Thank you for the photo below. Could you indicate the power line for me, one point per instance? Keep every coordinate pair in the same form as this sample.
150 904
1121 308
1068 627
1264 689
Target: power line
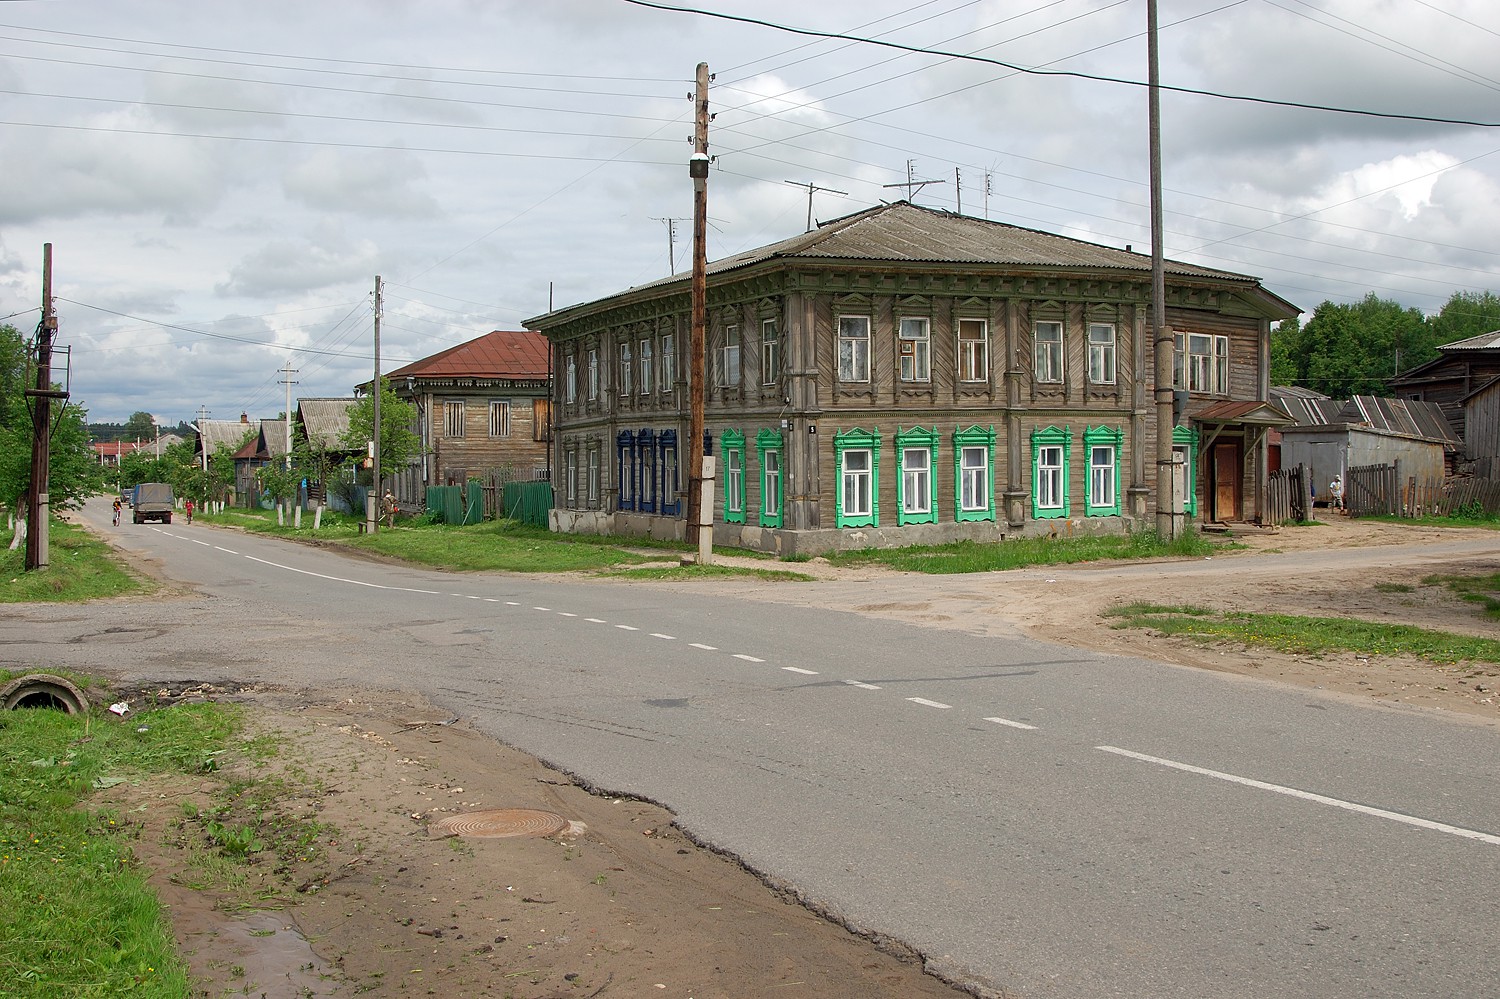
1362 112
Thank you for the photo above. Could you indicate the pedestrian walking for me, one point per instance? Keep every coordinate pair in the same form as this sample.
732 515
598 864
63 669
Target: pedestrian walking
188 506
117 511
389 506
1336 487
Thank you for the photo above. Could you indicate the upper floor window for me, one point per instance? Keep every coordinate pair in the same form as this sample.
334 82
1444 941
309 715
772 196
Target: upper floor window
854 348
770 352
499 419
973 344
1207 364
647 367
1047 339
570 380
625 370
1102 353
453 418
729 358
593 374
915 349
668 361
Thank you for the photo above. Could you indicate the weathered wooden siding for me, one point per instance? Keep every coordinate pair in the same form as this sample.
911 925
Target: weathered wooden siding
1482 425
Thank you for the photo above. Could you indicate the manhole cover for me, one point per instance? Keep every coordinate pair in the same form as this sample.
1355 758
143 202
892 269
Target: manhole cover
495 823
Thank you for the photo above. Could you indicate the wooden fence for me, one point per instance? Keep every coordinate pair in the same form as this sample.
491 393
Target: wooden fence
1289 496
1374 490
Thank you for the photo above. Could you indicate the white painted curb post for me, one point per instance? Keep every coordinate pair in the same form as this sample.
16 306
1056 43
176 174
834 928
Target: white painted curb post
706 513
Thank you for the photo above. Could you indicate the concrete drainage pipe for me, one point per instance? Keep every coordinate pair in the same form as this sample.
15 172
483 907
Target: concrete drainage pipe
43 690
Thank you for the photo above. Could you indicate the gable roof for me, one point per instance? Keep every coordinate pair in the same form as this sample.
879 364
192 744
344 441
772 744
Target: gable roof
1484 341
1401 416
212 433
907 233
324 421
516 355
1306 407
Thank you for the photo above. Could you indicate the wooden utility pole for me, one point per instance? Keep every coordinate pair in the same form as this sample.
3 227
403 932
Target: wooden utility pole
811 189
374 522
1168 508
698 170
38 507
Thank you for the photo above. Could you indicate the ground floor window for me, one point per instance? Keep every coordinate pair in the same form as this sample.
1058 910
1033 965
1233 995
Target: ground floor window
1185 443
570 477
1049 472
671 501
1102 492
733 444
593 475
769 444
625 469
917 488
974 459
645 448
856 501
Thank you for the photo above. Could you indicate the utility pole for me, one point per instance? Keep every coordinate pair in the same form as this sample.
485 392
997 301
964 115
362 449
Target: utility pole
987 176
203 415
38 510
671 224
698 170
287 372
371 510
958 189
811 189
1168 507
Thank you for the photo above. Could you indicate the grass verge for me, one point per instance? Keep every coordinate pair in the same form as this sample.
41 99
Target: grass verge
710 572
973 556
78 918
1307 635
1482 590
80 567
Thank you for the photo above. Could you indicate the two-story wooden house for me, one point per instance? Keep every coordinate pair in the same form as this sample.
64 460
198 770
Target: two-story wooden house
904 375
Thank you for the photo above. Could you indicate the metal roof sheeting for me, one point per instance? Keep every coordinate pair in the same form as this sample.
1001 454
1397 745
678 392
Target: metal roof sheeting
1401 416
515 355
1484 341
325 421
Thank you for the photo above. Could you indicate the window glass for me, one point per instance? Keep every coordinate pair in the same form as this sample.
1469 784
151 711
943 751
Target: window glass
914 348
734 480
1101 476
857 468
729 358
453 419
854 349
916 480
1102 353
974 464
668 361
1049 467
1048 340
770 352
770 491
973 363
625 370
499 419
647 367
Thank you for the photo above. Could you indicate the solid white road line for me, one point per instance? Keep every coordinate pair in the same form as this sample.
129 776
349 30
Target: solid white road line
861 686
930 704
342 579
1012 724
798 669
705 648
1321 799
748 659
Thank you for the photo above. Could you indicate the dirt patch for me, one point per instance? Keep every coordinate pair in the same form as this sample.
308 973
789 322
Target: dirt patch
377 902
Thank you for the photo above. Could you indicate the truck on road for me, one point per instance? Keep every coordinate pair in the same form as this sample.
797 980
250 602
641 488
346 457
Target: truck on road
152 501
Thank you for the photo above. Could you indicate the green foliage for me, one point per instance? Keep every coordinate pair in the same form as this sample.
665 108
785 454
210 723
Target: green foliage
1482 590
399 443
1466 314
140 427
1346 350
278 480
1309 635
73 473
80 568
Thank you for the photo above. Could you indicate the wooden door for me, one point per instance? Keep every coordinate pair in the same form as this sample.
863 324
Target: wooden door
1228 475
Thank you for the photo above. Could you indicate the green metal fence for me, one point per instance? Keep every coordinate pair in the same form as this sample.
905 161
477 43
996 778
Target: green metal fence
528 502
457 504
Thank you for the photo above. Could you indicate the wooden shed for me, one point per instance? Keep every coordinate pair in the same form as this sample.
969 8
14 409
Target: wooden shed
1482 418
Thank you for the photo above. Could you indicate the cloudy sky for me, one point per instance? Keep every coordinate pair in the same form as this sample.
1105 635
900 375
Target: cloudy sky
222 182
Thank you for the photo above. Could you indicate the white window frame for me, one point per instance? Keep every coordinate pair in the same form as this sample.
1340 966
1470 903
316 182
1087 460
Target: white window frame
914 349
453 418
1179 360
1102 353
770 483
593 374
1200 363
734 480
1102 476
916 482
856 483
668 361
973 352
646 362
854 348
974 487
1221 365
626 371
570 477
770 352
499 418
570 380
1049 477
593 475
1048 351
729 358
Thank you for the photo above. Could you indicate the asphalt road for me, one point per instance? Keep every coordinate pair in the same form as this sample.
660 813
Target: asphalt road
1040 820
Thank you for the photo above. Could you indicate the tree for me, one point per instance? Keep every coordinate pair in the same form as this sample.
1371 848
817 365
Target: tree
1465 314
140 427
1347 350
399 443
73 474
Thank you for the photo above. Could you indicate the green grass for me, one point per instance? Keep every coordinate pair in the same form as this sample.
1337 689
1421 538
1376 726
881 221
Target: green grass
1462 518
500 546
77 917
973 556
1482 590
1308 635
80 567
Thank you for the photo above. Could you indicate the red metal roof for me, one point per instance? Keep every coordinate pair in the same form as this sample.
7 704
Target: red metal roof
513 354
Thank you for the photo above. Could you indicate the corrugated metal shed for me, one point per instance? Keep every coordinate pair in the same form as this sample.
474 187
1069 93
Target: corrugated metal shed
325 421
506 355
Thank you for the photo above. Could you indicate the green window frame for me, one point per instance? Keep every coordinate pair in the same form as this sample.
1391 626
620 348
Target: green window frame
1187 440
1051 449
910 479
851 448
732 442
771 450
969 478
1108 504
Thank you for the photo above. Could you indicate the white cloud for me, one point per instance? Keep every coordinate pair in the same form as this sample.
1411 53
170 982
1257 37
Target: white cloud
369 183
292 266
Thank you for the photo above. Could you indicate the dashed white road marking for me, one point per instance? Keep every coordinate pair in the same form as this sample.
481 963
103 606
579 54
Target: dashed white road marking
799 669
229 551
669 638
542 608
512 603
471 596
748 659
627 627
566 614
492 600
861 685
1012 724
705 648
930 704
205 544
1321 799
596 620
